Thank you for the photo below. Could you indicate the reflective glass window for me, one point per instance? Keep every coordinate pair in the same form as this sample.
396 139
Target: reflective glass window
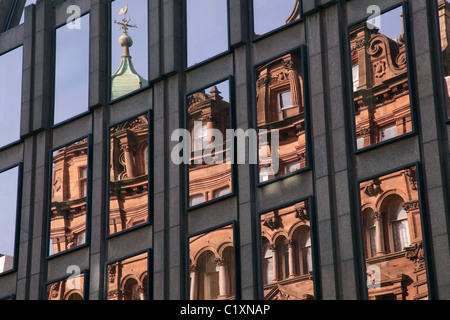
71 96
129 47
69 193
287 268
129 179
393 237
206 29
10 95
210 170
269 15
282 145
71 288
128 278
444 25
211 265
9 192
382 106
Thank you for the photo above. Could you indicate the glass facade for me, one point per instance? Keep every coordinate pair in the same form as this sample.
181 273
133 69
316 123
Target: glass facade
9 210
206 29
280 108
10 96
381 87
393 237
270 15
129 47
212 265
127 279
71 92
69 197
307 98
129 178
71 288
287 265
208 119
444 28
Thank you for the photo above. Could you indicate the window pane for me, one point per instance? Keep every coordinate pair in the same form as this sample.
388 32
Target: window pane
269 15
211 265
280 111
67 289
208 121
381 90
129 47
444 24
72 70
128 279
207 29
68 197
286 235
10 95
9 181
128 186
396 261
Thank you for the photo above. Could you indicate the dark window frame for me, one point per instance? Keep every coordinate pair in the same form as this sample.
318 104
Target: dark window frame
150 135
272 32
20 140
84 272
52 111
232 113
149 253
88 199
307 109
110 41
314 245
358 232
185 42
236 262
18 219
412 82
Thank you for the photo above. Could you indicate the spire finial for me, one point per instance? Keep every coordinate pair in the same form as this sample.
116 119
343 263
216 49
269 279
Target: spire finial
125 24
125 41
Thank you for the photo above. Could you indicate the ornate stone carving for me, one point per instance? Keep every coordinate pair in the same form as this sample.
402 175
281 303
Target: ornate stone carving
273 221
373 188
379 69
411 175
112 274
302 213
415 253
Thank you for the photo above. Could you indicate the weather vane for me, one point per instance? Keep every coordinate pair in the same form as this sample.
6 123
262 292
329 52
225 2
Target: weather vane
125 24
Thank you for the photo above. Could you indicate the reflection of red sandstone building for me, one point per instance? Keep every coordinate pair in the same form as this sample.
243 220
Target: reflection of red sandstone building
393 237
280 106
286 254
444 22
380 85
208 111
68 199
128 202
127 279
68 289
211 265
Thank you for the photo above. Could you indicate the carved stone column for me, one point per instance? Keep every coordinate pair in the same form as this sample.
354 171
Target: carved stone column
273 247
193 289
140 290
296 89
379 232
129 160
223 278
291 250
